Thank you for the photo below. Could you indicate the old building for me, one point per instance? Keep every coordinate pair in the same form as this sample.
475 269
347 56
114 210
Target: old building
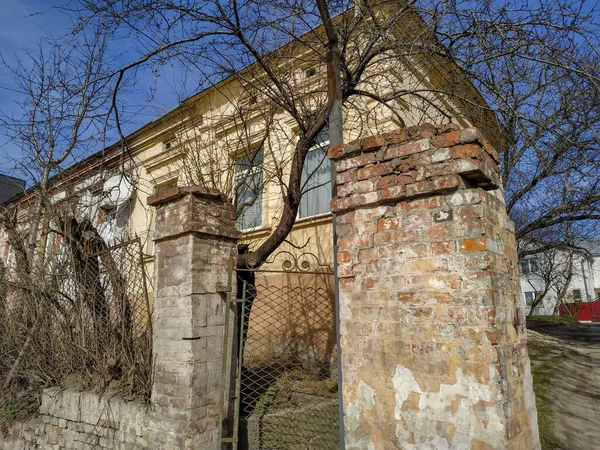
455 350
561 276
202 142
10 187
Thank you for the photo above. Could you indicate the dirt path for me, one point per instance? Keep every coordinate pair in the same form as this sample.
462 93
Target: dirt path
566 372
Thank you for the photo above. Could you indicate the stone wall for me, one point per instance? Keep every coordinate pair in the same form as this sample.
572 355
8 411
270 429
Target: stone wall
84 420
196 241
432 324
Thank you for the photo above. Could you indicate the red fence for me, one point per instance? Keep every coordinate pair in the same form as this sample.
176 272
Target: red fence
582 311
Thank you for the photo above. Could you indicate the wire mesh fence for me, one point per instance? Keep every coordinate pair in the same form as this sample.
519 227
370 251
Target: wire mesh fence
288 379
79 317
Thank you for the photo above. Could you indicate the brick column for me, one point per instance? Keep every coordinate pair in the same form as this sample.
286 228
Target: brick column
195 239
431 318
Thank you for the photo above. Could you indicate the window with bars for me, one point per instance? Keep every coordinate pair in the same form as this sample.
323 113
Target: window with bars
247 188
316 179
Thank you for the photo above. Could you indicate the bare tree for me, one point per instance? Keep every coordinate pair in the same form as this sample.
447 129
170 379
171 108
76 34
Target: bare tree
533 67
64 112
549 274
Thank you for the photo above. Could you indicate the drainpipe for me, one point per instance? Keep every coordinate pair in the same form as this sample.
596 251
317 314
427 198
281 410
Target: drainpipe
336 137
585 281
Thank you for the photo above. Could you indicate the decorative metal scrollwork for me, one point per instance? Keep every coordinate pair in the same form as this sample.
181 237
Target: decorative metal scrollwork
286 261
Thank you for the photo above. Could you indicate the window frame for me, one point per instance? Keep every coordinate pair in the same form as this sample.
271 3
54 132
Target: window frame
533 298
324 145
532 265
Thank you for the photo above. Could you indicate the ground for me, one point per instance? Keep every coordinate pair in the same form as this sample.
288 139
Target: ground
565 358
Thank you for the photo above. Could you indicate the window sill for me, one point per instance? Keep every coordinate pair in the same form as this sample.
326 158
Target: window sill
252 229
314 220
256 231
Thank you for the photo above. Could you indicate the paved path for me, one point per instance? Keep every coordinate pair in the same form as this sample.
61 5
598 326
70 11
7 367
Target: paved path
582 333
574 350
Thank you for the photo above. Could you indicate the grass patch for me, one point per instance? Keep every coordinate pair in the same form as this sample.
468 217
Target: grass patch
298 411
555 320
545 361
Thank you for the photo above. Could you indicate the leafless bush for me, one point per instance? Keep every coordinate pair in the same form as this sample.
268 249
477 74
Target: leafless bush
79 316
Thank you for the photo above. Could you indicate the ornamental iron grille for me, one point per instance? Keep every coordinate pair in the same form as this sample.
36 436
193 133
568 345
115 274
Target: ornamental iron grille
286 389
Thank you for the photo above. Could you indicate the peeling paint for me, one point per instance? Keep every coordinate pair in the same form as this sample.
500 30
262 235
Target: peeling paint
364 401
433 339
442 406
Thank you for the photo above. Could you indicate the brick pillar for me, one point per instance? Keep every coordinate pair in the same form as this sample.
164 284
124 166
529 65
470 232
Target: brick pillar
431 318
195 239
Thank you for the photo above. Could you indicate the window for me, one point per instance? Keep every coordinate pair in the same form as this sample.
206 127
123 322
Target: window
577 295
248 187
597 293
529 266
311 72
529 298
316 179
56 248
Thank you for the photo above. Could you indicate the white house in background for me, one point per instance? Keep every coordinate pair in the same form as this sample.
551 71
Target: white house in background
546 274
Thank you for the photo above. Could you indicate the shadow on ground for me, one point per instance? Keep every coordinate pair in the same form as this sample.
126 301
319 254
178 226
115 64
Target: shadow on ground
565 360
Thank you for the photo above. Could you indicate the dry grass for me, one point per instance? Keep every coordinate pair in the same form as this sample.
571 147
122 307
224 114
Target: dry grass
81 319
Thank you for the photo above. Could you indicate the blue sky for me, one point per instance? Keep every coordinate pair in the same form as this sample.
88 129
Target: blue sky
21 27
23 23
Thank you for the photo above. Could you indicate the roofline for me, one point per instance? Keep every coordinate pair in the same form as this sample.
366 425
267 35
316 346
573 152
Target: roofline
183 104
12 178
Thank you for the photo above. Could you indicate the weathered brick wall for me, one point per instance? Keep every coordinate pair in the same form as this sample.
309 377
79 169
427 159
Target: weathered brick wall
432 325
195 243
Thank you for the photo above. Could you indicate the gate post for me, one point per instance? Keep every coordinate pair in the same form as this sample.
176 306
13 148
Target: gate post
195 240
432 322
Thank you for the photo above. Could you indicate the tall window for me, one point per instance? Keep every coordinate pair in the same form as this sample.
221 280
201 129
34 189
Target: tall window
316 179
576 295
248 187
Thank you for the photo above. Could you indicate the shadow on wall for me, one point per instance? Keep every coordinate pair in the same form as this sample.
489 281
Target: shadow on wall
293 321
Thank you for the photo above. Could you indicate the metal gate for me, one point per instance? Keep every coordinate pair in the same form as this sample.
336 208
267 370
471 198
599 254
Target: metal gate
286 365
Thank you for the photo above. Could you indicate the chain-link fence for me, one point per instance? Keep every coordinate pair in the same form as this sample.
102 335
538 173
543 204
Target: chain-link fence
79 316
288 396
